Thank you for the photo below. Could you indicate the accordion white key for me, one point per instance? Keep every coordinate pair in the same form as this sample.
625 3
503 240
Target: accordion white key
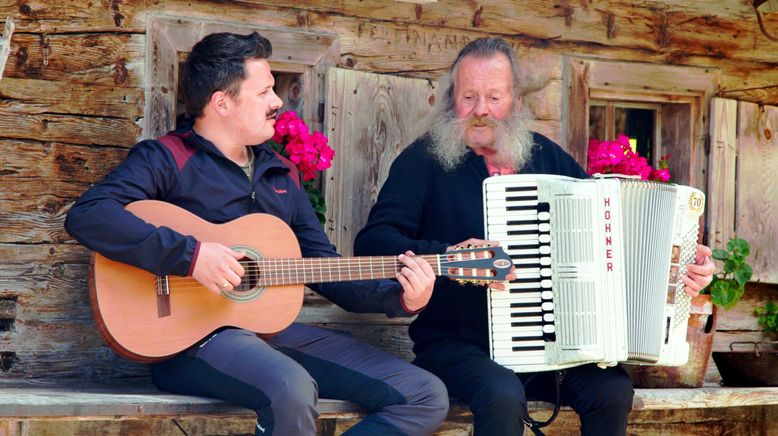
598 265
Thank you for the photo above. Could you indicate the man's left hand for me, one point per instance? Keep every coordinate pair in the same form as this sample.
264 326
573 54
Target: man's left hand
700 273
417 280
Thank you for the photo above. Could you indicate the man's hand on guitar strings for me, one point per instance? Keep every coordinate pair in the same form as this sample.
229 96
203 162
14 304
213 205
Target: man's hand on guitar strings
417 280
700 273
217 267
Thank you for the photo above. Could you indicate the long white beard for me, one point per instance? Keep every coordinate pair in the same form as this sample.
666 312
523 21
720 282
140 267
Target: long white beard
512 144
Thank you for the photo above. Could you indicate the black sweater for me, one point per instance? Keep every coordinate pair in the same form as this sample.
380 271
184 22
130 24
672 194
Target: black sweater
425 209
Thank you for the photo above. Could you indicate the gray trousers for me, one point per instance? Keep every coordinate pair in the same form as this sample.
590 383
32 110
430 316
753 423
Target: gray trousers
282 378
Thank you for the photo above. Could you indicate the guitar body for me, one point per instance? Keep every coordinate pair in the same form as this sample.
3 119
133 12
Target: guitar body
126 303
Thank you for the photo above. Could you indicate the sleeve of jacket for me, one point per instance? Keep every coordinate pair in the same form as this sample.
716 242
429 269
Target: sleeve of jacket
362 296
99 221
393 224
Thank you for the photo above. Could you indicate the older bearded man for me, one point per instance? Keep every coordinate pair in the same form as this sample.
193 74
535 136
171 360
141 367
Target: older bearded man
433 198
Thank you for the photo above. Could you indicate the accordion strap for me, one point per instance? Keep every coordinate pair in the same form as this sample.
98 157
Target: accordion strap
535 426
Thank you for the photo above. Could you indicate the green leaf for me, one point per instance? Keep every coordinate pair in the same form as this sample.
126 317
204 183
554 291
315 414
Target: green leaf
771 307
724 294
720 254
739 246
743 274
730 265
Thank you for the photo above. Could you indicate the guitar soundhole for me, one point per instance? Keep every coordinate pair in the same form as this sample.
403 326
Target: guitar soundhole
251 278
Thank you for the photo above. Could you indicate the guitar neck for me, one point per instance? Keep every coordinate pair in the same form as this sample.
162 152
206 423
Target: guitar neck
281 272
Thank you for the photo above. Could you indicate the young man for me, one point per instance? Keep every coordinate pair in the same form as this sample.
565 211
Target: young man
218 173
432 199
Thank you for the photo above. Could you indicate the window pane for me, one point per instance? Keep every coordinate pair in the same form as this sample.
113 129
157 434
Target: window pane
597 122
638 125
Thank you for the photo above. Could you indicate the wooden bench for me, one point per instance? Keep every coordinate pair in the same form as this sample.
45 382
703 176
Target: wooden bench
31 408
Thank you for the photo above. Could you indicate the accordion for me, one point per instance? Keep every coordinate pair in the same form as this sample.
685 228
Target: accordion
598 267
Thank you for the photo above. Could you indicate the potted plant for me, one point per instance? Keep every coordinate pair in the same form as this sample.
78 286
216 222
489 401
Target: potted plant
750 363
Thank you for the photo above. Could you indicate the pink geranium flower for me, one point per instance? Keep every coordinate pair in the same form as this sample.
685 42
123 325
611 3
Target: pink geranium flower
310 152
617 157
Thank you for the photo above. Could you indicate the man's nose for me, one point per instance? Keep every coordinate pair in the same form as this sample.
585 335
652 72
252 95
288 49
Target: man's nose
278 102
481 108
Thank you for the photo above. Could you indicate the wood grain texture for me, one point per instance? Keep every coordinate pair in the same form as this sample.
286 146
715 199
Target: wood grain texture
370 119
756 217
720 205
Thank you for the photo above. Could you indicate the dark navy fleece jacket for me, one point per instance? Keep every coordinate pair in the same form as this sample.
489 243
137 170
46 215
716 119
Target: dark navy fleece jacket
194 175
425 209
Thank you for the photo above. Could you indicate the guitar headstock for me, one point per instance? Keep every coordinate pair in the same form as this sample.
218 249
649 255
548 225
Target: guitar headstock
476 265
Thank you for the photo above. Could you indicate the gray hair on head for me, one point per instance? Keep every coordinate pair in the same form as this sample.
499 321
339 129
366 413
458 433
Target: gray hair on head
481 48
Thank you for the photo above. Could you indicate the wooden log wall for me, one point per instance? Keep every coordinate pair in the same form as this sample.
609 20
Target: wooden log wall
72 99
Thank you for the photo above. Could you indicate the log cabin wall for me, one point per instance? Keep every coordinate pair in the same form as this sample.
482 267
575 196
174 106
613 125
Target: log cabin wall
73 95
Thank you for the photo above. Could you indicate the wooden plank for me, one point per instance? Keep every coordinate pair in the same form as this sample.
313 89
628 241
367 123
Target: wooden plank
757 195
30 96
741 317
71 129
102 59
87 402
421 48
720 207
677 140
647 26
370 119
575 105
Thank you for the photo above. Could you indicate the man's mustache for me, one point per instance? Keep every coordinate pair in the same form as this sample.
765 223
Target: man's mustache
481 121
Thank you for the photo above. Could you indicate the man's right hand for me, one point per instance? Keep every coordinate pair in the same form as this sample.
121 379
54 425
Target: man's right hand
217 267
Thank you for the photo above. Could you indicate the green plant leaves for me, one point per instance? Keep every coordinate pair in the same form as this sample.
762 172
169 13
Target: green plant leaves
743 274
739 247
720 254
728 286
768 316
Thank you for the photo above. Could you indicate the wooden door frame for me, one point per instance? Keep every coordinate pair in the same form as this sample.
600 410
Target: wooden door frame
588 79
294 51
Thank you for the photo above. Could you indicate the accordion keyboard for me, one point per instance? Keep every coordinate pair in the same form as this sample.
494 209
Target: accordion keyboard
522 316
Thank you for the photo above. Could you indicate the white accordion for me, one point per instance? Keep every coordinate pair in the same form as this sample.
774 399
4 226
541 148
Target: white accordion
598 266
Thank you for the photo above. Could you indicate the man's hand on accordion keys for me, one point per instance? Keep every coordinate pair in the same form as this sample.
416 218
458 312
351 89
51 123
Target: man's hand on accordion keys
700 273
474 242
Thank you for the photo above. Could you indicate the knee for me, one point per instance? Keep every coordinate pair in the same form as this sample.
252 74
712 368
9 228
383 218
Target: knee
612 393
504 400
295 392
432 398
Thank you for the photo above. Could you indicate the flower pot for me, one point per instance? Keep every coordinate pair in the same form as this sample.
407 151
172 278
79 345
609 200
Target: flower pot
753 366
703 318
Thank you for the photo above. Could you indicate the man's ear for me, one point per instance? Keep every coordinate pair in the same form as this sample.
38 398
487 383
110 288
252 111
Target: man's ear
219 102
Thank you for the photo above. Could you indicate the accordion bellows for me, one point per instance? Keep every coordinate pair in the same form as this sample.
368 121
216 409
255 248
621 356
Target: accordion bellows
598 265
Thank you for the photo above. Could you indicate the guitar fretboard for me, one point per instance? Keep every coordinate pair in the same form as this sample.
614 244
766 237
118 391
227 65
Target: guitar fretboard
281 272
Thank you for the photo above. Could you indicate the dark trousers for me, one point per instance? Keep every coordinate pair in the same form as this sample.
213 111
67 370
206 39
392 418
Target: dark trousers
498 397
282 378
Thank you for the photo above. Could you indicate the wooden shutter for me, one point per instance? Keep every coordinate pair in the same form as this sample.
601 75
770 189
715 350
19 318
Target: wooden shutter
743 189
575 108
369 119
756 189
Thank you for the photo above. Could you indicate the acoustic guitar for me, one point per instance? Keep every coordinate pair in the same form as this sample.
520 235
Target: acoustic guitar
147 318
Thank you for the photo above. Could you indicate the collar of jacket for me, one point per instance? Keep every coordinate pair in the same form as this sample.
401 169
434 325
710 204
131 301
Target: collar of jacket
264 157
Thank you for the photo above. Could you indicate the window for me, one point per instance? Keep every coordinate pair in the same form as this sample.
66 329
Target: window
663 108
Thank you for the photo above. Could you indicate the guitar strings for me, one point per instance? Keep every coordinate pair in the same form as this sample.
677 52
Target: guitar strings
339 266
